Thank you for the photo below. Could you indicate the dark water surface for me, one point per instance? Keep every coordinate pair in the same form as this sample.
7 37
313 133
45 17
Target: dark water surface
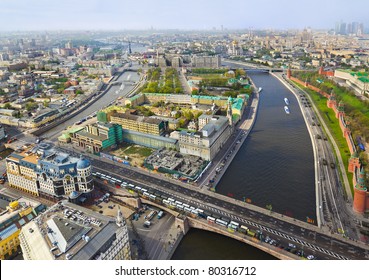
274 166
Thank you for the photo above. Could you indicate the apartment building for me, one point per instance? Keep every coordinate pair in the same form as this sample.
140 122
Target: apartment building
139 123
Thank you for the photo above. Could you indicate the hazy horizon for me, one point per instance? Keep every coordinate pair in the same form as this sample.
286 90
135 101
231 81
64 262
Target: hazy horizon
43 15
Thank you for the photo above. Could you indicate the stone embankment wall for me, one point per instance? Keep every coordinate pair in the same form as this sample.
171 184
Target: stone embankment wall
361 196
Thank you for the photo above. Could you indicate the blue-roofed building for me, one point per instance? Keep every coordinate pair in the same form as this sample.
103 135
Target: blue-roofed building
44 170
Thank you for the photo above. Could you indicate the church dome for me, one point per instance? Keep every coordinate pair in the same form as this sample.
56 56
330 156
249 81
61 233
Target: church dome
74 195
83 163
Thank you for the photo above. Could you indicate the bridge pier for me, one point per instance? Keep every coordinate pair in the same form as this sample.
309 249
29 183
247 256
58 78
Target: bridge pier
182 223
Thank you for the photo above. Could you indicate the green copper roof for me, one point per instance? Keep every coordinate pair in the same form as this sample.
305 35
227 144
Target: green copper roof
237 103
364 79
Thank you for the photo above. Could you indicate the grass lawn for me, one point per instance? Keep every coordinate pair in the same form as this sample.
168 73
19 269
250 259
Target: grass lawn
212 76
142 151
332 123
136 154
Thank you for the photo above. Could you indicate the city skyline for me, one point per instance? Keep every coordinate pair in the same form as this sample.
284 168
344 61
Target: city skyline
38 15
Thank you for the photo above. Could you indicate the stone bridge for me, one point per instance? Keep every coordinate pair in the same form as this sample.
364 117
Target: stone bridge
186 222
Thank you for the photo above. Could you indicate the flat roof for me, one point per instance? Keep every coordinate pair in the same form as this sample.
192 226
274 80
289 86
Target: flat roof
151 136
93 136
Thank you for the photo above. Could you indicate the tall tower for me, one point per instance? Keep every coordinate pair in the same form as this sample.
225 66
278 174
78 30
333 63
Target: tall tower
229 111
331 102
340 110
360 193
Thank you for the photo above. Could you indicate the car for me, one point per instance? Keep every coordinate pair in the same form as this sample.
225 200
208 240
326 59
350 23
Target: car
299 253
291 245
273 242
310 257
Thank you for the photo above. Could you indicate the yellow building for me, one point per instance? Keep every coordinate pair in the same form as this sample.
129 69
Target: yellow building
139 123
17 214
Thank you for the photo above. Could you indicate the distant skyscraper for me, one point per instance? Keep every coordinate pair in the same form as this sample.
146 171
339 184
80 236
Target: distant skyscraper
360 30
69 45
355 28
349 28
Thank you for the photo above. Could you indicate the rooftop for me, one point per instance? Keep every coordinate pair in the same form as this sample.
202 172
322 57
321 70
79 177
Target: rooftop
74 230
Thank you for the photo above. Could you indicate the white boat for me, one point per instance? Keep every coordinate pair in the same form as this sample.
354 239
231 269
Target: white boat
287 110
286 101
260 89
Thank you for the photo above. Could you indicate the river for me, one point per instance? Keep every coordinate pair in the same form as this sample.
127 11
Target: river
275 166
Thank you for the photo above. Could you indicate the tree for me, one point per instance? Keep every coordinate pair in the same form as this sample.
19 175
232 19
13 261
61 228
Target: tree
188 115
269 207
178 114
197 115
181 122
30 106
7 106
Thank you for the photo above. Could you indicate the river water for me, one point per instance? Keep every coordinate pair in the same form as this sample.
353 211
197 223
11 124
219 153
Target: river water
275 166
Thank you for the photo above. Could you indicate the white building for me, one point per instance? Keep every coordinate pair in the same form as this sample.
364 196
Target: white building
207 142
68 231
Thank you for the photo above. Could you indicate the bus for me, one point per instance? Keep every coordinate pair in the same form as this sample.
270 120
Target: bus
221 222
151 215
137 189
234 225
201 213
160 214
166 202
244 229
179 207
194 213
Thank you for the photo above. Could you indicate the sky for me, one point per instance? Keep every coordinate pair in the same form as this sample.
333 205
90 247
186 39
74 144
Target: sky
173 14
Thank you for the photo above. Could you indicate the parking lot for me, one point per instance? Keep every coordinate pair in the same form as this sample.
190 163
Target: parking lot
109 208
159 237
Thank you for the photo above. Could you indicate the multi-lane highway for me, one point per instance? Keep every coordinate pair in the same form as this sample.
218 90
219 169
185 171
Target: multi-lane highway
324 246
116 91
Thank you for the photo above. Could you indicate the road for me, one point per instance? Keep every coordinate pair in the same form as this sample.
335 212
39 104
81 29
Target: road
116 91
323 245
333 206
